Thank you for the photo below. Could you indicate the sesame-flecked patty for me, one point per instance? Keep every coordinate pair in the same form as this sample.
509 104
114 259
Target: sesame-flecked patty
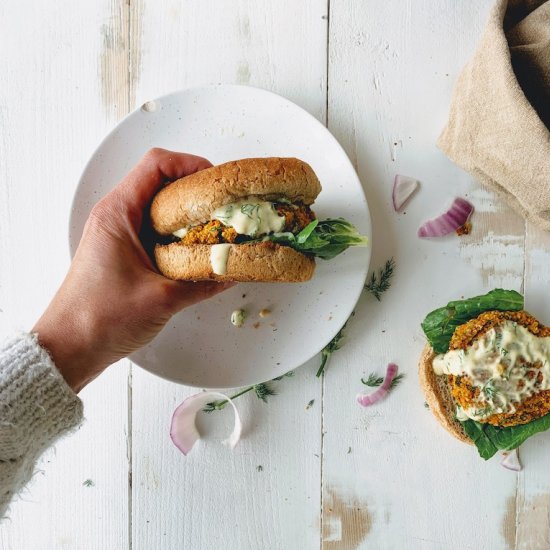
466 394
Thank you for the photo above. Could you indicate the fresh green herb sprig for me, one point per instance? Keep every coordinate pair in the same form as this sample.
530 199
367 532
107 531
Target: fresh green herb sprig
374 380
489 389
262 391
378 284
334 345
375 286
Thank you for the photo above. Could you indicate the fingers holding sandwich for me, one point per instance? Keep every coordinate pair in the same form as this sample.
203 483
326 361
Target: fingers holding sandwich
156 168
113 300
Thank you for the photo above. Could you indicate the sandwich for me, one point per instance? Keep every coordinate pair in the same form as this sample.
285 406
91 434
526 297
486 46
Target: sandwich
246 220
485 371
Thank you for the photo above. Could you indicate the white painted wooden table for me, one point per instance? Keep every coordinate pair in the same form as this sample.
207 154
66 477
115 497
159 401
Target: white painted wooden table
380 74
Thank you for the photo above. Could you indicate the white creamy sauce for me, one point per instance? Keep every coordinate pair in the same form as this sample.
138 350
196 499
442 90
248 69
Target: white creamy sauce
180 233
461 415
498 363
250 217
219 253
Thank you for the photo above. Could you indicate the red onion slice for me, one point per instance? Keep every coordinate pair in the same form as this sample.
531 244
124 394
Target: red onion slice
403 189
366 400
511 461
183 430
448 222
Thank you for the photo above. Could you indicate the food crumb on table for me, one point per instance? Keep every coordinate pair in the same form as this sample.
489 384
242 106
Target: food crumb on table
237 317
464 229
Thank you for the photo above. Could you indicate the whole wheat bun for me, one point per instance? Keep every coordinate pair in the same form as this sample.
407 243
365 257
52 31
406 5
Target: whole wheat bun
438 396
264 262
193 198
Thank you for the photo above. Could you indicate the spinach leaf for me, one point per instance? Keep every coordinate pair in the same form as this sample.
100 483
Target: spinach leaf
303 236
485 447
490 439
439 325
323 239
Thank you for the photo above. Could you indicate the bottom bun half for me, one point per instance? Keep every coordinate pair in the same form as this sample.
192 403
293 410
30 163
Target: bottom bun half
258 262
438 396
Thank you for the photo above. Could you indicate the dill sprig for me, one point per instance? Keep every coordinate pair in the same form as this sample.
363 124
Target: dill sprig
489 389
262 391
334 345
379 284
374 380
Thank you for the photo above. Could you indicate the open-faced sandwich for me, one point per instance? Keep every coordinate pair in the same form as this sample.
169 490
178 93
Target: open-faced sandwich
246 220
485 372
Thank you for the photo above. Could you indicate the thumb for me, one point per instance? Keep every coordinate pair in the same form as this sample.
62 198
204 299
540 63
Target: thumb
157 167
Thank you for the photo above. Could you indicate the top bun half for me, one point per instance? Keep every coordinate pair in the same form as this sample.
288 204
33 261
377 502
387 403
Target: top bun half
192 199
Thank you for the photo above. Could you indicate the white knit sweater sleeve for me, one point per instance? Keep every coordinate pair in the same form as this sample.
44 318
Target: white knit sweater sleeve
36 407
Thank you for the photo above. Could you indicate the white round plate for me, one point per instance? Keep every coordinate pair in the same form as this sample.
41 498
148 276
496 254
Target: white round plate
199 346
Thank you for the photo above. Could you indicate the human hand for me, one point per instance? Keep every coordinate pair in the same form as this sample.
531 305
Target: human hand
113 300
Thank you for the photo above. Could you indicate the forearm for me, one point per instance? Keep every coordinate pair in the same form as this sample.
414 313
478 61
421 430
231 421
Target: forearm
36 407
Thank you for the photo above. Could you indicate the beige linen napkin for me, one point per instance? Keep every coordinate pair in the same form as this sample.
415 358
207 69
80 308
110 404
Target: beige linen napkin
498 127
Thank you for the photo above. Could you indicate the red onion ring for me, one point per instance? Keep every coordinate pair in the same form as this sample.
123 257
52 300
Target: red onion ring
365 400
403 189
183 430
450 221
511 461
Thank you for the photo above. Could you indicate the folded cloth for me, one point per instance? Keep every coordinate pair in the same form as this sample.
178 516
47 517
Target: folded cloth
498 127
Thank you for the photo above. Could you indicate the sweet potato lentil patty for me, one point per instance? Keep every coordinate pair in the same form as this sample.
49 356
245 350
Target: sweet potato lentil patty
466 395
214 232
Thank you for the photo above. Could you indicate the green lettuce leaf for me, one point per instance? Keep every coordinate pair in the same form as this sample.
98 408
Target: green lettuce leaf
439 325
322 239
490 439
474 430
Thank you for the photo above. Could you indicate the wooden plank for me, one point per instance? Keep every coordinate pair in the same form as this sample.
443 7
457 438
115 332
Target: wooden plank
496 244
213 496
533 502
392 478
263 494
52 118
278 46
